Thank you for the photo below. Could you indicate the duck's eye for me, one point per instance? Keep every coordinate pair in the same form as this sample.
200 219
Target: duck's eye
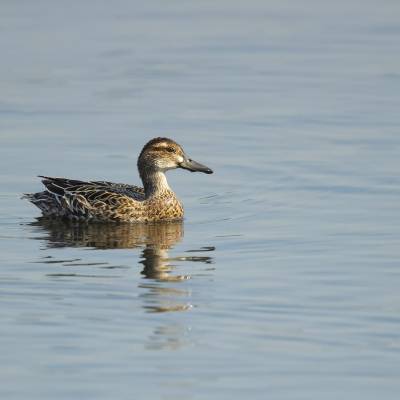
171 149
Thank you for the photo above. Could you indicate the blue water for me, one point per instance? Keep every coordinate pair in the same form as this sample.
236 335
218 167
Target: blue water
283 280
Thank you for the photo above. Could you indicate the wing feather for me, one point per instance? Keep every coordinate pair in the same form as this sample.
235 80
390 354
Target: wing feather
85 199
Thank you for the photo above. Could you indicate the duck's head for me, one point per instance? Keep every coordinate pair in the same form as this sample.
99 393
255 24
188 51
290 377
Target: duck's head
162 154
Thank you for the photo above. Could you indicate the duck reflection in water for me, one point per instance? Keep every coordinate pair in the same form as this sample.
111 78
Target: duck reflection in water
156 240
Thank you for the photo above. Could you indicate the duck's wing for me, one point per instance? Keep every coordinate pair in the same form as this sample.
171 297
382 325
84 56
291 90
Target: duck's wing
92 189
136 192
82 198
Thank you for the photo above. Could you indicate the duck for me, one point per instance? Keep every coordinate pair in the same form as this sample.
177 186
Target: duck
119 202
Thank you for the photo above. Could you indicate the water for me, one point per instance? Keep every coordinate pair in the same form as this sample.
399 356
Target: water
283 280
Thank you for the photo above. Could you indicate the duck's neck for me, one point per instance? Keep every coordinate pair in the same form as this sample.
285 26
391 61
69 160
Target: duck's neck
154 183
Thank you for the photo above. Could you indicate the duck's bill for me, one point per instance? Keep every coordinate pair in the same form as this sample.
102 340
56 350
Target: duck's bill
194 166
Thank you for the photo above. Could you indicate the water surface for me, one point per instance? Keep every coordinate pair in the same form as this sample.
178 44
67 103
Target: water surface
283 279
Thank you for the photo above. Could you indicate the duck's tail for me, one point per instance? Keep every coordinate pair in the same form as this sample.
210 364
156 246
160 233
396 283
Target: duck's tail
43 200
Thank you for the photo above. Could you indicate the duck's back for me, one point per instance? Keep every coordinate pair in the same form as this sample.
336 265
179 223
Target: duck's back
97 200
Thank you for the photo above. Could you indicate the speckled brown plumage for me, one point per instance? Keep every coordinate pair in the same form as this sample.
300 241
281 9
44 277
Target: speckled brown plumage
107 201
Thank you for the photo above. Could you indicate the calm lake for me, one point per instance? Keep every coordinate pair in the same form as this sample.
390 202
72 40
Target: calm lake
283 280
